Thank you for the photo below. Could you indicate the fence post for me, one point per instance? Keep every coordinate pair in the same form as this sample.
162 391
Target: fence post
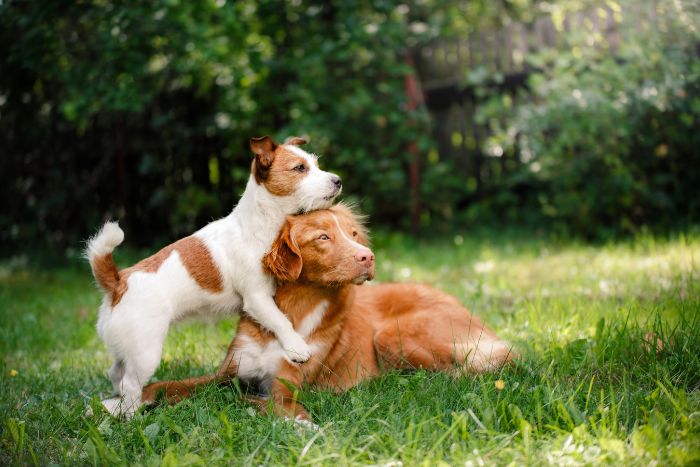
414 96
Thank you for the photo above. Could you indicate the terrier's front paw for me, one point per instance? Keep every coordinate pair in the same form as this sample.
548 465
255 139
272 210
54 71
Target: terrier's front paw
113 405
307 424
297 349
301 424
118 407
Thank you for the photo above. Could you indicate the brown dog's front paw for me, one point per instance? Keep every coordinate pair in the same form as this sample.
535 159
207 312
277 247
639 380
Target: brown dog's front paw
302 422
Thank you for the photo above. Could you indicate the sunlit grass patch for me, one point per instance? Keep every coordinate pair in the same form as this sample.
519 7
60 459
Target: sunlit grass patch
610 373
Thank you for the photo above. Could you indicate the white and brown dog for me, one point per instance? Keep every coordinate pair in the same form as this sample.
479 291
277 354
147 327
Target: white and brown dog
217 270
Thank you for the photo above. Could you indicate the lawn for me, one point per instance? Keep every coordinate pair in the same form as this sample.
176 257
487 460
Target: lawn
610 368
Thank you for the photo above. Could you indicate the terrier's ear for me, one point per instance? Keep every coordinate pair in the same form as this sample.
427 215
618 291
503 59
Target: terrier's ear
264 150
296 140
284 258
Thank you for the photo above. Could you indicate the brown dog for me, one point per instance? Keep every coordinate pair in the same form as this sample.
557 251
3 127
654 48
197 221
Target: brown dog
355 331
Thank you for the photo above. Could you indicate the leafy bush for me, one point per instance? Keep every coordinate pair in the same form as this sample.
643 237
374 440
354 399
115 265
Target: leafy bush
110 111
613 137
143 111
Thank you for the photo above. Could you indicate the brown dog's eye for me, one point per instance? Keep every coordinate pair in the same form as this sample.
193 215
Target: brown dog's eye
354 233
300 168
324 237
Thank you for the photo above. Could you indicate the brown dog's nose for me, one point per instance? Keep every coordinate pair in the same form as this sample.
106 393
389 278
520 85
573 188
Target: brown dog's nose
364 257
337 181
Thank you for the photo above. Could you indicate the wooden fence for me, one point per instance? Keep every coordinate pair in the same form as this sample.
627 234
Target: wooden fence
453 102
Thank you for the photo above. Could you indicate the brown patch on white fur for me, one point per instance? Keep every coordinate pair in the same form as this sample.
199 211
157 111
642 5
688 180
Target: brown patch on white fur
282 179
106 273
264 150
274 165
194 254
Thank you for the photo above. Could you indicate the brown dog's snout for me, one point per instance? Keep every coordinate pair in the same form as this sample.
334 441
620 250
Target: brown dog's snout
336 181
365 257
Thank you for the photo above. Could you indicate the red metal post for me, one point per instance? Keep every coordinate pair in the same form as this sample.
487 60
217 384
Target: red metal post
414 96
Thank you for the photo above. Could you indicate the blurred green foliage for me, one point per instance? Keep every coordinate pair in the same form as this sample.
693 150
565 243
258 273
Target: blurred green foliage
142 112
610 138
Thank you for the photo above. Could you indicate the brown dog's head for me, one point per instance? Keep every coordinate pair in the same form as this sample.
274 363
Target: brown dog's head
327 247
292 175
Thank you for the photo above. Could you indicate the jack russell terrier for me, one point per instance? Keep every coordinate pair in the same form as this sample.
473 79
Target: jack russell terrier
217 270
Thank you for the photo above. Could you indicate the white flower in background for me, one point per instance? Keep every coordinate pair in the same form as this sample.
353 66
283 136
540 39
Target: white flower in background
402 9
484 266
418 27
223 120
664 283
605 286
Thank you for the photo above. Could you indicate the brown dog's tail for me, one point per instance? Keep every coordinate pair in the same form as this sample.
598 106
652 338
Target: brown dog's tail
175 391
99 253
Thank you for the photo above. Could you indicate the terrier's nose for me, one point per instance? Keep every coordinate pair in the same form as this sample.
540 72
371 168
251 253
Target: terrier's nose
337 181
364 257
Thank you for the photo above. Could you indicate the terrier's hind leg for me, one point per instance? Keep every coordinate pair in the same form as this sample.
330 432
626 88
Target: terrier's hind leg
116 373
139 361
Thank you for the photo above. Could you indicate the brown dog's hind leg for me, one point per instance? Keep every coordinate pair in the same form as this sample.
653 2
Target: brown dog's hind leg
422 348
174 391
408 352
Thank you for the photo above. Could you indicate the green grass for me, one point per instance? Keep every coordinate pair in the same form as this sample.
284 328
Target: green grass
588 390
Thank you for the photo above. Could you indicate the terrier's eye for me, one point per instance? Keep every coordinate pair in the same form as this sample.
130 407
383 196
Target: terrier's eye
354 233
300 168
324 237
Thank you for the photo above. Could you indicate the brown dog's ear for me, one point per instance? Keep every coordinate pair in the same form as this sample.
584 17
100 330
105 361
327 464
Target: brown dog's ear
284 259
264 150
296 140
